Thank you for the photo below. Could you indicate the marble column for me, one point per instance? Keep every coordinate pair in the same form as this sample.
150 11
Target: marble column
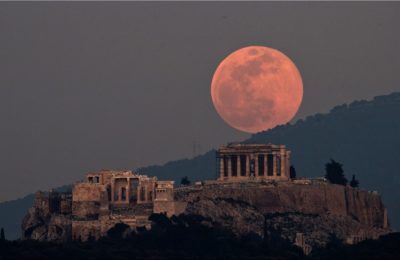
265 165
221 168
229 167
385 219
274 164
138 192
128 190
283 164
119 193
146 194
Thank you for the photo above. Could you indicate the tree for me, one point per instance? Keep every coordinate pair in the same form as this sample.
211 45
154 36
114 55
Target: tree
354 182
185 181
334 173
292 172
118 231
2 236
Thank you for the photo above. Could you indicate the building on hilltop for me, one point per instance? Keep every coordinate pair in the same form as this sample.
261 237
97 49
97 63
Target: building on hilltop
248 175
109 197
253 161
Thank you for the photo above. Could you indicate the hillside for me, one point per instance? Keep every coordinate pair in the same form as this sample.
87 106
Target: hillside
363 136
315 208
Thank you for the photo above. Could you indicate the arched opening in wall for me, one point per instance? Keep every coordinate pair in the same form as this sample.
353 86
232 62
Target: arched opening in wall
97 178
123 193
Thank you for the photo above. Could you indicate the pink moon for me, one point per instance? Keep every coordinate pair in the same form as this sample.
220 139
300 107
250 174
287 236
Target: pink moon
256 88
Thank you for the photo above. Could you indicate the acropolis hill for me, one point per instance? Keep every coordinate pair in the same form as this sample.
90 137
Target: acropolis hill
253 194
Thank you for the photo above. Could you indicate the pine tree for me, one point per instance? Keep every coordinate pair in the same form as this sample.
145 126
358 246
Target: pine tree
2 236
292 172
354 182
334 173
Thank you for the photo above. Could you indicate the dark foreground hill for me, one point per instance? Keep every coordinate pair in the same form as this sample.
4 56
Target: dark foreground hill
186 237
364 136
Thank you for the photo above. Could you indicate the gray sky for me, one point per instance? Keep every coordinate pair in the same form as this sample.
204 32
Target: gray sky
85 86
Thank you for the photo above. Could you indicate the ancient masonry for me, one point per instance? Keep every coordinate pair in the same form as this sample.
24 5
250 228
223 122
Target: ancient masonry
104 199
253 161
108 197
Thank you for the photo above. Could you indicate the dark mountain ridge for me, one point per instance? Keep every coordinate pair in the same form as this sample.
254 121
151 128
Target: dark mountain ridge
364 136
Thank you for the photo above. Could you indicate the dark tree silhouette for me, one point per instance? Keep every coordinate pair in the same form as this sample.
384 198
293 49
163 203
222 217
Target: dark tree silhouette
292 172
185 181
354 182
118 231
2 236
334 173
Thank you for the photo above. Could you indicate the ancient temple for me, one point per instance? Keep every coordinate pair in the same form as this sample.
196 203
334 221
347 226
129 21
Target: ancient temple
256 174
253 161
108 197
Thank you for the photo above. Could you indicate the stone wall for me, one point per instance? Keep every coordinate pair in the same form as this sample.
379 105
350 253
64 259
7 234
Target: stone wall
88 192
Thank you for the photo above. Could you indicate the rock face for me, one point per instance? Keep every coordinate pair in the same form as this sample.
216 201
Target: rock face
315 209
44 222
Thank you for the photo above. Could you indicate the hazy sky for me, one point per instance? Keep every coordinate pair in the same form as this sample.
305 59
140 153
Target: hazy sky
86 86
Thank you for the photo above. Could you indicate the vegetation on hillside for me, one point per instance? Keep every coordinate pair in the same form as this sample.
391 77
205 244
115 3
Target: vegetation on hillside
186 237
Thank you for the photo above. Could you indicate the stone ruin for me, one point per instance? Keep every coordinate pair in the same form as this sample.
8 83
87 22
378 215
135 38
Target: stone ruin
253 183
97 204
253 161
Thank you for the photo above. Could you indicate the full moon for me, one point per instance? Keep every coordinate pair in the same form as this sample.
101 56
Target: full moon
256 88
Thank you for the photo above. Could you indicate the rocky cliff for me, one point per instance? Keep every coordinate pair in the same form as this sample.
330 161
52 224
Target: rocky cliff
317 209
50 218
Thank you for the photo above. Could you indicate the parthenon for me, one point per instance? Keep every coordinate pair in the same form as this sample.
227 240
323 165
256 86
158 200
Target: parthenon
258 174
253 161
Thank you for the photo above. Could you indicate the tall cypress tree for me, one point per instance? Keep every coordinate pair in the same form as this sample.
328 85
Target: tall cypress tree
292 172
354 182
